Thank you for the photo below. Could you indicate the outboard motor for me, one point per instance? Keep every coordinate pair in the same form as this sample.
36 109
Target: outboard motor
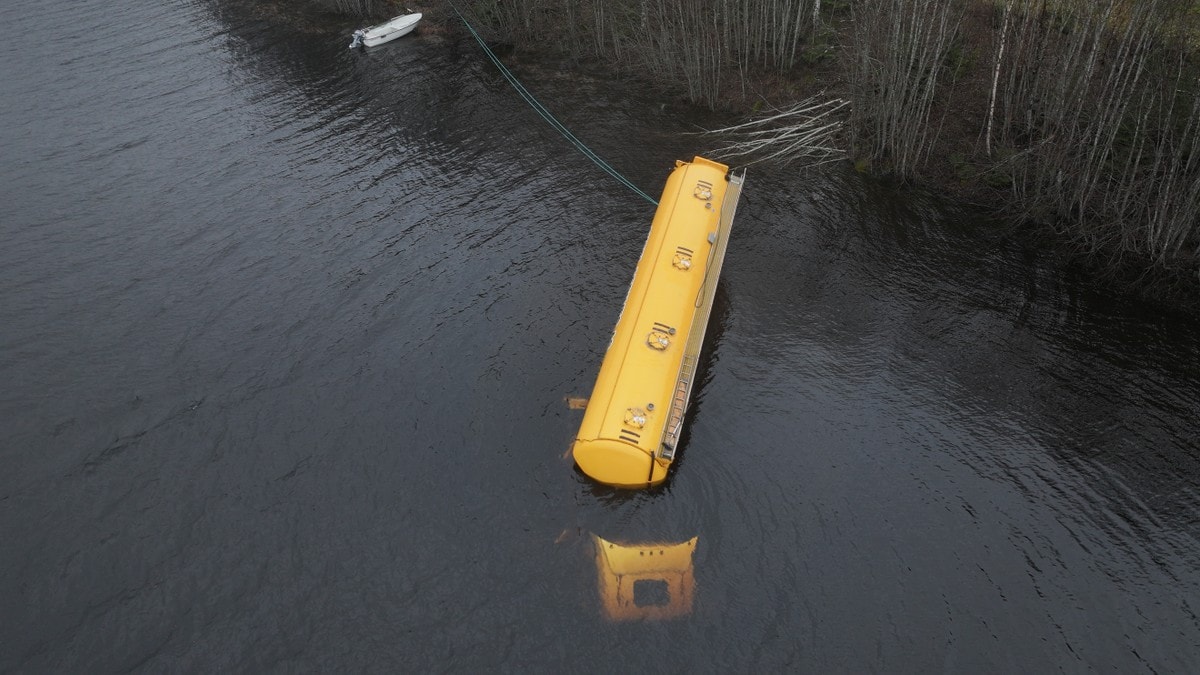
358 38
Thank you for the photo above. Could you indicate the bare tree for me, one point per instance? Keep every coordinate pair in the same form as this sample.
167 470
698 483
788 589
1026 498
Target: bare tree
1098 118
896 67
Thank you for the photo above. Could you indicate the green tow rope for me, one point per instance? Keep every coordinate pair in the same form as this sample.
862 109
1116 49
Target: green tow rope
541 110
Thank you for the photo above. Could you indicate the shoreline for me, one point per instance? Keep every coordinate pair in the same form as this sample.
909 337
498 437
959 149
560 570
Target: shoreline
956 171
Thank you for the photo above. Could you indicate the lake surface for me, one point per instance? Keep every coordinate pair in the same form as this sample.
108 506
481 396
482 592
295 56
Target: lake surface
287 329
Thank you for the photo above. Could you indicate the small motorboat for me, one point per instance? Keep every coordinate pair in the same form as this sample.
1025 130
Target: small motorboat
386 32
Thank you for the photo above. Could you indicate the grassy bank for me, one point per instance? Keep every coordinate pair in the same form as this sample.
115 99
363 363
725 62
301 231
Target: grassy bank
354 7
1082 116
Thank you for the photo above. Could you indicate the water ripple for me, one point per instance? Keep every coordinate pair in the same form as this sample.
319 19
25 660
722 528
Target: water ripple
286 335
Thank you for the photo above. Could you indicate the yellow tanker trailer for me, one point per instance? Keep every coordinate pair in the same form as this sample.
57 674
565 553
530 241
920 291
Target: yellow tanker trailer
635 414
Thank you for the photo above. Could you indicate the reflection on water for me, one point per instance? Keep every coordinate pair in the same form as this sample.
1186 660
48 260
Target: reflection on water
647 581
284 332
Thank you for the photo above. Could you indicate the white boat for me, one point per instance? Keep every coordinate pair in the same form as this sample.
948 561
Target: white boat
386 32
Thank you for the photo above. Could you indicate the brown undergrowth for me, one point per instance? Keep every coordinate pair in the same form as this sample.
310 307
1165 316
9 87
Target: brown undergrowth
989 129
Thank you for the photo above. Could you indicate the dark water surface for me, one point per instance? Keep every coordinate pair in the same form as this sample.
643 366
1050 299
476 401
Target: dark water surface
286 331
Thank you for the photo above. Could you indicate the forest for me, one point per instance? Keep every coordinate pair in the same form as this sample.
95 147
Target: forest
1079 115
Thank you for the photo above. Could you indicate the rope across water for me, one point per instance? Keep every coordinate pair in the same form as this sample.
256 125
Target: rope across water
541 110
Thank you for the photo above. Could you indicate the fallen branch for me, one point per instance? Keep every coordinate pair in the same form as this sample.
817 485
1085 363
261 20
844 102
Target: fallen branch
807 131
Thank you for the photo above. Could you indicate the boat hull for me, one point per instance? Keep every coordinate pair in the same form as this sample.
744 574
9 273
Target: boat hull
386 32
635 414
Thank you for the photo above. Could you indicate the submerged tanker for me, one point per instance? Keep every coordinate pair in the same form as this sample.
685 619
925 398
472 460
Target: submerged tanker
634 417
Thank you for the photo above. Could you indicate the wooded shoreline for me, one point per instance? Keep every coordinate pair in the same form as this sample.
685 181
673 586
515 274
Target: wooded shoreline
1079 116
